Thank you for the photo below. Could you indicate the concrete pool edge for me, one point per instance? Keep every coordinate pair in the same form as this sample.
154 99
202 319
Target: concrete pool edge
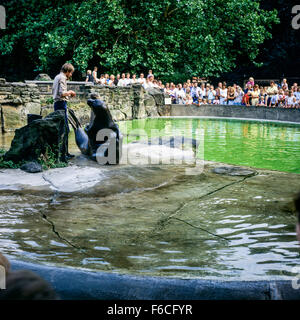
77 284
239 112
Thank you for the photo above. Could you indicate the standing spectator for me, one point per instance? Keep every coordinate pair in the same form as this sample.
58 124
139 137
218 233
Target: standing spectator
291 100
61 96
271 91
117 79
195 92
223 94
251 81
167 89
238 96
134 79
122 81
89 77
284 84
219 87
102 79
127 79
141 79
230 96
173 93
211 94
94 74
181 97
150 73
254 95
189 99
202 91
111 81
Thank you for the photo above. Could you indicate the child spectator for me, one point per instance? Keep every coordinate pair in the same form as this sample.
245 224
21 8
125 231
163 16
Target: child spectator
230 96
89 76
274 100
254 95
188 100
211 95
217 101
291 100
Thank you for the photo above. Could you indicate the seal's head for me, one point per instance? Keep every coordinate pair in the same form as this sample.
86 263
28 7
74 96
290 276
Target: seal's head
96 104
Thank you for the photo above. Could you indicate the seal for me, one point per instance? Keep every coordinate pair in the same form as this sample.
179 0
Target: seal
101 140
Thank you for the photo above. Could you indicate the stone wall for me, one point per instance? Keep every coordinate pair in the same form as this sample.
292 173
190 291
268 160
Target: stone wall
126 103
17 99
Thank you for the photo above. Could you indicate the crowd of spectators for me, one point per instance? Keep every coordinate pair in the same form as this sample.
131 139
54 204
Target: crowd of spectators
203 93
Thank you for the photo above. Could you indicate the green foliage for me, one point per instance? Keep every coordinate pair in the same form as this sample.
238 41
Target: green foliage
48 160
187 37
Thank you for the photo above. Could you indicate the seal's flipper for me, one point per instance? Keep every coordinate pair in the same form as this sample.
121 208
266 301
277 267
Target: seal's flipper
75 120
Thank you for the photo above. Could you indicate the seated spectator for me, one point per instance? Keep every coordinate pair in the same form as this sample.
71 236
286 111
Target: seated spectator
89 77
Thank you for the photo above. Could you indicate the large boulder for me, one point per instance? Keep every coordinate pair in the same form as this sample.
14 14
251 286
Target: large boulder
46 138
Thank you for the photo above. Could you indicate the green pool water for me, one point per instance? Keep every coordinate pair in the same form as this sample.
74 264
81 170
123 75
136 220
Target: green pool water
265 145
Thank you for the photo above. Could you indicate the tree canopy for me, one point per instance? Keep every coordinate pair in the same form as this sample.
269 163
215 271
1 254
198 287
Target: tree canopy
171 37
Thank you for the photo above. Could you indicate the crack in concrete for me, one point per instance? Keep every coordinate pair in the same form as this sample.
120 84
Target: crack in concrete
162 223
196 227
49 181
57 233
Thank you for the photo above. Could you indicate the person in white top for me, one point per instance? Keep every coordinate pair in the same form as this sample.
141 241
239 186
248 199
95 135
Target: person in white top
127 80
202 91
111 80
223 94
134 79
180 95
94 74
102 79
141 79
122 81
